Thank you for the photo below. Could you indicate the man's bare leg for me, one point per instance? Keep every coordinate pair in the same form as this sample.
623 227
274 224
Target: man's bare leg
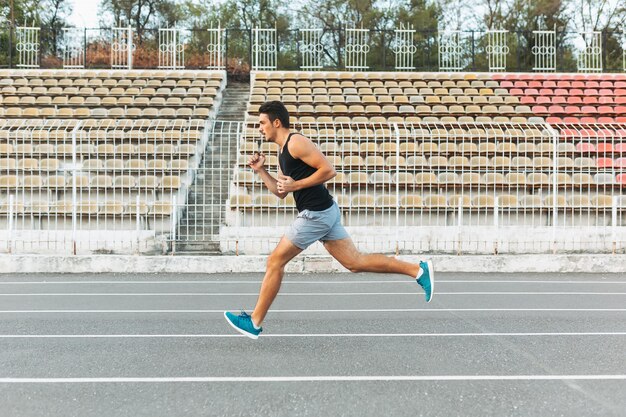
349 256
280 256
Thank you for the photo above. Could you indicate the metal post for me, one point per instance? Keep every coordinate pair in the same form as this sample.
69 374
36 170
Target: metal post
10 223
129 41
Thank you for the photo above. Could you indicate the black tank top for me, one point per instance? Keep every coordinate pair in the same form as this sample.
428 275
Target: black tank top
316 198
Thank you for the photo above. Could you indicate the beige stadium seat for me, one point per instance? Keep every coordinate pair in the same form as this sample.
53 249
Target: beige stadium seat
27 164
508 201
240 200
266 201
49 164
380 178
339 179
9 181
363 201
161 208
124 181
552 200
387 201
483 201
395 161
411 201
579 200
425 179
493 178
358 179
582 180
448 179
470 178
542 162
114 164
38 207
602 201
531 201
537 179
416 162
102 181
147 181
562 180
171 182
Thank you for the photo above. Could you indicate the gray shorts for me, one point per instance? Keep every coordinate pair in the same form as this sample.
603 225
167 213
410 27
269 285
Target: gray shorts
311 226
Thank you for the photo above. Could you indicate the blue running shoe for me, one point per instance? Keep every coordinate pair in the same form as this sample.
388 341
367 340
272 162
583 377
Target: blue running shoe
243 324
427 279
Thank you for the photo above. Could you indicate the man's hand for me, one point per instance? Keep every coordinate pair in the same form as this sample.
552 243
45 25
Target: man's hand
285 184
256 161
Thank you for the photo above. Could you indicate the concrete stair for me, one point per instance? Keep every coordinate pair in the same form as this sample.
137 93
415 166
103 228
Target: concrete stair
198 229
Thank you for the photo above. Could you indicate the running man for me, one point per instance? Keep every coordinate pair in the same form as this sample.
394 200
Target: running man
303 170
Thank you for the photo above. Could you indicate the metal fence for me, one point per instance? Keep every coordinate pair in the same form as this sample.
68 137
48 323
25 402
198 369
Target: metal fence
95 185
455 187
157 185
290 49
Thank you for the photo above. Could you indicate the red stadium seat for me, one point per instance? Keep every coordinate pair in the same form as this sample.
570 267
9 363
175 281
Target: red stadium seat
564 84
590 100
606 84
574 100
606 100
585 147
541 109
621 179
587 119
546 92
553 119
620 163
606 119
527 100
531 92
571 119
542 100
588 110
605 110
561 92
604 147
620 119
606 92
506 84
590 92
572 109
578 84
620 91
620 109
555 109
558 100
549 84
620 147
604 162
576 92
521 84
620 100
516 91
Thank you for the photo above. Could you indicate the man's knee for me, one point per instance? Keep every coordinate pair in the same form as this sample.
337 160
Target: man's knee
355 264
275 260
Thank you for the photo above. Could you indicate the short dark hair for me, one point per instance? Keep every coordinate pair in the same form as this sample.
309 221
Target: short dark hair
275 110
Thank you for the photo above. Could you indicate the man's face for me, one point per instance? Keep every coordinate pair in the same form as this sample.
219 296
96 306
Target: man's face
267 127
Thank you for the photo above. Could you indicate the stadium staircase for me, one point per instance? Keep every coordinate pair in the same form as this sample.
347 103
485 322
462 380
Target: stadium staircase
198 230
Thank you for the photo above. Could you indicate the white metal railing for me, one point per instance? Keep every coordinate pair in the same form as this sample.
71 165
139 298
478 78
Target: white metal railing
122 48
356 49
27 46
590 52
544 50
216 47
311 49
497 49
73 186
511 186
264 49
171 49
404 48
450 51
73 48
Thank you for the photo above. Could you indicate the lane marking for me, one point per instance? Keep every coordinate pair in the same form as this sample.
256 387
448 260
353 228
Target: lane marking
302 335
381 310
258 282
335 378
305 294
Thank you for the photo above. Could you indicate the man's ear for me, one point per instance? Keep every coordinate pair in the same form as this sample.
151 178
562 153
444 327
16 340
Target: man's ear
276 123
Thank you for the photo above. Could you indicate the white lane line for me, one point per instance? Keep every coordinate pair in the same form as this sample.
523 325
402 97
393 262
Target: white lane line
312 282
304 294
302 335
332 378
372 310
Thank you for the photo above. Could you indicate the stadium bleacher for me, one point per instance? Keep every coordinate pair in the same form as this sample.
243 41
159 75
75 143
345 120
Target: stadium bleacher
137 137
440 141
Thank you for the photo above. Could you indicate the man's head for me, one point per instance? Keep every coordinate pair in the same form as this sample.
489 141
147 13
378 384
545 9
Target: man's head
273 115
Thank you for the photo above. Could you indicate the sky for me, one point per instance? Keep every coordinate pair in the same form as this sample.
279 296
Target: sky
85 13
